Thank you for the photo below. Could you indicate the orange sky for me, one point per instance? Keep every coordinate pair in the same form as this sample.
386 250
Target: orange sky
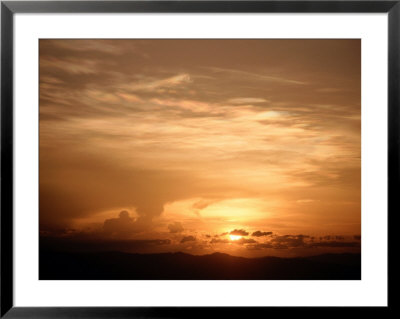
171 145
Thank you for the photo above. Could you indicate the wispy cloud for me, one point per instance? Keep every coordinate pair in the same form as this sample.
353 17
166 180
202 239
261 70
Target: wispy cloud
247 100
255 76
71 65
151 85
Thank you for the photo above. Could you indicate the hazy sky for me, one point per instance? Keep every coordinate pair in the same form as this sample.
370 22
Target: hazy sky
171 145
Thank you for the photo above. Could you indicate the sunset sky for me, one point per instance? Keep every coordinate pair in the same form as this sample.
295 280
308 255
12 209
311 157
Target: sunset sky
248 147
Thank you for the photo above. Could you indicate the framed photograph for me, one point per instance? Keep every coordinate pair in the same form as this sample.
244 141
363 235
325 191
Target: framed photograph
159 158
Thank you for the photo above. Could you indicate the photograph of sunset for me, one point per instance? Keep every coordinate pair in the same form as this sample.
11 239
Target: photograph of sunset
200 159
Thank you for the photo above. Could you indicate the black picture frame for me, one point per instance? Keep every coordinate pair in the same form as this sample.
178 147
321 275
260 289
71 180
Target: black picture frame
9 8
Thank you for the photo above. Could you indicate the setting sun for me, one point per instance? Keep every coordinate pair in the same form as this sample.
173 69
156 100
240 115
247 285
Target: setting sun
234 237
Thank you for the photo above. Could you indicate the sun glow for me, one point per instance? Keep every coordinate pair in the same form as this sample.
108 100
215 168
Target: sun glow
234 237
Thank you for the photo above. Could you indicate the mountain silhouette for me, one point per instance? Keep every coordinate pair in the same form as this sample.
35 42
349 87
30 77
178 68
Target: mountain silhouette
114 265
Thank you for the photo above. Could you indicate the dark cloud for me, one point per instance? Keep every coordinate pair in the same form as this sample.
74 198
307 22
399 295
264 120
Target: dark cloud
288 241
261 233
219 241
239 232
260 246
283 242
175 227
123 224
188 238
243 241
304 241
335 244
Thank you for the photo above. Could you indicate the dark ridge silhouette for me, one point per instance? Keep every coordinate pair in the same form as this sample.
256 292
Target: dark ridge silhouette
113 265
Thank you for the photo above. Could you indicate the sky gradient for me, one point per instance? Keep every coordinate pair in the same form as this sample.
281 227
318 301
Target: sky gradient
249 147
